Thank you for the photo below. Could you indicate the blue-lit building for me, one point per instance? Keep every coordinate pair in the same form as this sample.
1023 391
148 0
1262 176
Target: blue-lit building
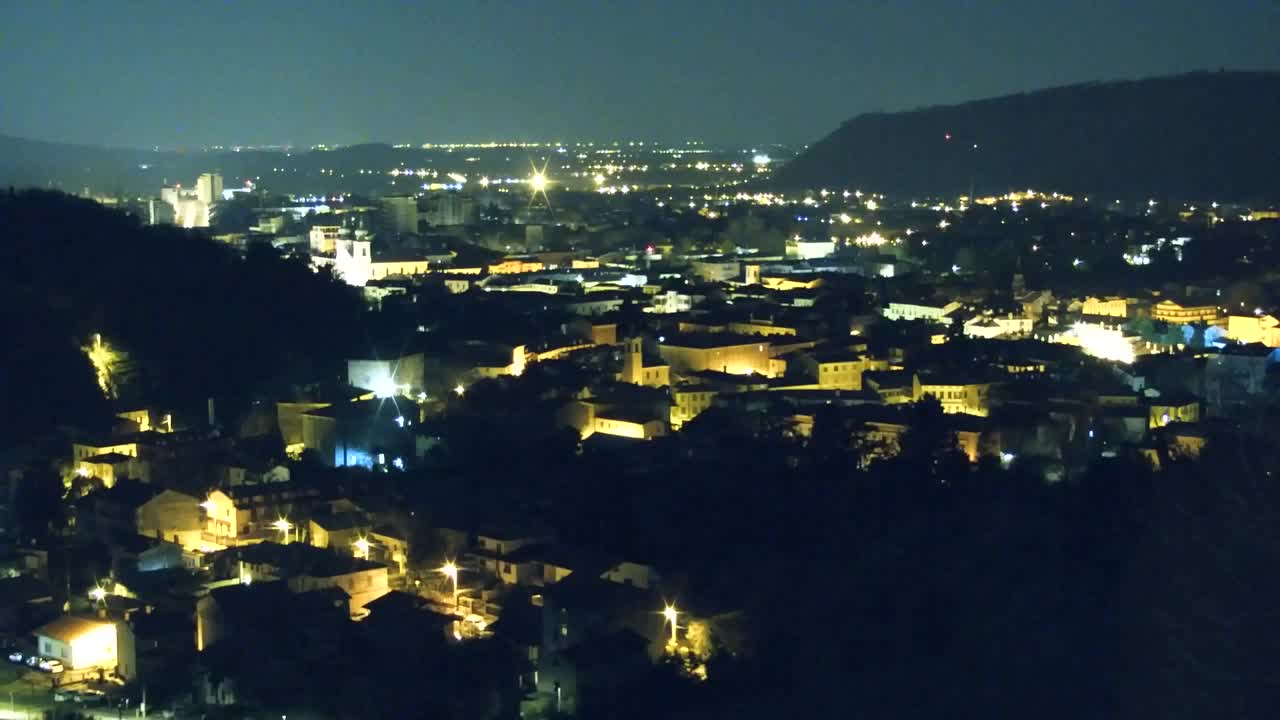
367 433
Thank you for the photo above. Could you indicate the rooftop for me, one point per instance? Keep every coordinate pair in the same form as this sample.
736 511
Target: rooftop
302 559
705 341
70 627
341 521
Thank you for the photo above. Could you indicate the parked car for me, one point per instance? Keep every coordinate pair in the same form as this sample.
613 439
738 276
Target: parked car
33 660
52 666
16 657
88 697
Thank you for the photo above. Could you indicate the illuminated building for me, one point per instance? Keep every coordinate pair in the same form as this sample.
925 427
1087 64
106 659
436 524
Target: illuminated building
894 387
221 525
394 549
305 569
109 461
512 266
180 518
209 188
760 327
688 402
634 371
799 249
339 531
994 326
1117 307
82 450
80 643
843 369
457 286
111 467
368 433
400 375
1163 412
669 302
1171 311
353 261
920 311
716 269
786 283
622 410
189 209
957 396
398 264
401 213
1100 341
1258 327
323 239
604 333
289 413
724 352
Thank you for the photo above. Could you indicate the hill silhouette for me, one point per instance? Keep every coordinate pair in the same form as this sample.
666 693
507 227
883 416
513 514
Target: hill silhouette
1201 135
196 318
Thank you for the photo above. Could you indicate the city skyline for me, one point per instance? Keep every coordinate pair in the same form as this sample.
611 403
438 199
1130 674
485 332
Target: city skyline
749 72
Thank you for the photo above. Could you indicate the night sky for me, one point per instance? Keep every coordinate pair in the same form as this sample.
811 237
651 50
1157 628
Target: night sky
176 73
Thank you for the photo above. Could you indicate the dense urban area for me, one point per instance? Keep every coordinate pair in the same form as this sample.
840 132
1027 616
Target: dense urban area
631 434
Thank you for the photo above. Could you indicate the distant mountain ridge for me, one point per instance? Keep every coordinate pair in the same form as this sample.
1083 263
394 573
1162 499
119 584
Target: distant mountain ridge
1201 135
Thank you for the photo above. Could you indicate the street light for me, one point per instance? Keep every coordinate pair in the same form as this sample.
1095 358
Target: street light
284 526
450 570
459 389
98 594
362 546
669 614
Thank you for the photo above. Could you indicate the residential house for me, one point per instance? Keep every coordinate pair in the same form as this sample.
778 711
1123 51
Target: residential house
1259 327
1184 312
305 568
724 352
80 643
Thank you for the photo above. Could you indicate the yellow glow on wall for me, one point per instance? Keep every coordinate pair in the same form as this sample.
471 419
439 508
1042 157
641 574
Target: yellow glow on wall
1104 343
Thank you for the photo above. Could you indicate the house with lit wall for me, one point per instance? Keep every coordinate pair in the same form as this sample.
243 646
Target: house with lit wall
389 376
957 394
1258 327
689 401
306 569
932 312
723 352
1185 312
80 643
367 433
636 372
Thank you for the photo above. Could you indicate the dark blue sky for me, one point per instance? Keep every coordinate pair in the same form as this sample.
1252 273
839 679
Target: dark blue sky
178 73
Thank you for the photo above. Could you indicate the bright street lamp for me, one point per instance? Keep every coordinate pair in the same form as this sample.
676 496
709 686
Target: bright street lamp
459 389
362 548
669 614
284 526
98 594
450 570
